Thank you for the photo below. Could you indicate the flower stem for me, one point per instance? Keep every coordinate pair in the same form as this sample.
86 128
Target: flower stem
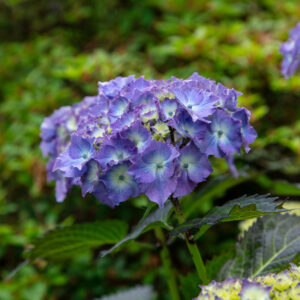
192 246
166 260
201 270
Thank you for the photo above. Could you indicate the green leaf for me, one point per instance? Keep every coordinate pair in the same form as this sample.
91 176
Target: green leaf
157 218
139 292
66 241
189 286
214 265
245 207
269 245
203 199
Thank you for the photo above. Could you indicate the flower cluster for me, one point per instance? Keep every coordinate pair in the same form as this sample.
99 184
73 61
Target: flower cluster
142 136
285 285
291 53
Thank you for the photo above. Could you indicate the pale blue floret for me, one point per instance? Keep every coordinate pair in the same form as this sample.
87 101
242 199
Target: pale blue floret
120 185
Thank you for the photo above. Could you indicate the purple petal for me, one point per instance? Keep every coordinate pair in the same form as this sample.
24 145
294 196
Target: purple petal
160 189
194 163
168 109
194 167
120 185
80 148
223 135
248 132
291 50
61 189
114 150
67 165
157 160
101 193
90 178
184 185
113 87
123 122
138 134
199 104
186 127
232 167
117 108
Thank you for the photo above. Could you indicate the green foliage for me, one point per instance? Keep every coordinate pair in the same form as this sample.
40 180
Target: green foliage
267 247
189 286
65 241
214 265
279 187
243 208
157 218
202 200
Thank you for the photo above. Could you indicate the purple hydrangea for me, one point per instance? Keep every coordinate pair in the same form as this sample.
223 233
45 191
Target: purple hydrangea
141 136
291 53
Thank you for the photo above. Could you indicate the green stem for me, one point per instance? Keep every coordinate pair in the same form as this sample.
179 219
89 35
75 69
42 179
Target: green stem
166 260
201 270
192 246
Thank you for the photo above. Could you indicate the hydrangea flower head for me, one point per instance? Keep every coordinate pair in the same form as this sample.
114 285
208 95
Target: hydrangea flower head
291 53
285 285
141 136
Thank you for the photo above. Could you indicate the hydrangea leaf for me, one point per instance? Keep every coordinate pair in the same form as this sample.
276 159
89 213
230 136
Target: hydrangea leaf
213 189
67 241
157 218
269 245
189 286
245 207
214 265
144 292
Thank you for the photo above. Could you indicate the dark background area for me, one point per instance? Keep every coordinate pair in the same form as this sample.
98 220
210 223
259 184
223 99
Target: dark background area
52 53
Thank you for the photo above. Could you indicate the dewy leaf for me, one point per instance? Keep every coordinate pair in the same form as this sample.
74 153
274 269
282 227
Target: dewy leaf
65 241
245 207
269 245
158 217
139 292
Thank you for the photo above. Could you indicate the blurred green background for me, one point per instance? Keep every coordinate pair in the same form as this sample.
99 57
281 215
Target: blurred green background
53 52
